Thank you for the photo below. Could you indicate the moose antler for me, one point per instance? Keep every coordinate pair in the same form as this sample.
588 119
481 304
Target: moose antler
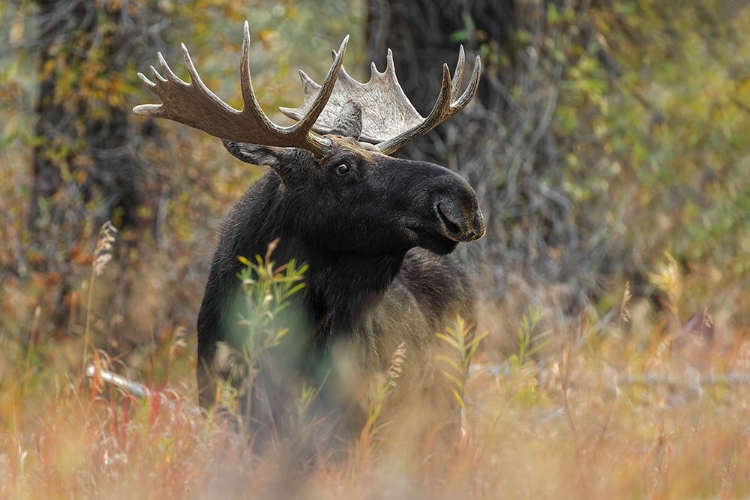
195 105
389 119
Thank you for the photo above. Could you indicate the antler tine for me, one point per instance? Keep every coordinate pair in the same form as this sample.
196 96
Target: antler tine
197 83
165 67
390 66
458 74
154 110
471 89
307 122
251 104
445 106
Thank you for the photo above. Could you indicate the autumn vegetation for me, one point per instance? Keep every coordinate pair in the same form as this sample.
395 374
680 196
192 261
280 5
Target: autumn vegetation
611 160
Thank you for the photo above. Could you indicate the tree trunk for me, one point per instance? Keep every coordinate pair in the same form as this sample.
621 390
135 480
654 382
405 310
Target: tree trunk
85 166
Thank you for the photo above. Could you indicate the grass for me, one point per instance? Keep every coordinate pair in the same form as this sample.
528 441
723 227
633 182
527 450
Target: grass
626 402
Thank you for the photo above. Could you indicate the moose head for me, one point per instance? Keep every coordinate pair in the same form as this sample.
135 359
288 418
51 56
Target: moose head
348 194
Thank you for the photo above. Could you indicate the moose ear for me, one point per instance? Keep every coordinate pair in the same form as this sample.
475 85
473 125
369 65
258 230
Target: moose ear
257 155
349 121
289 163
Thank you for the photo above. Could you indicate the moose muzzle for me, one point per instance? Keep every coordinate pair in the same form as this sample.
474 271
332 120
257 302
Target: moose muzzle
459 222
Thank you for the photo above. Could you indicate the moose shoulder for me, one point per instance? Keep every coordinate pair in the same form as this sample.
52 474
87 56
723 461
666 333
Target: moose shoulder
374 230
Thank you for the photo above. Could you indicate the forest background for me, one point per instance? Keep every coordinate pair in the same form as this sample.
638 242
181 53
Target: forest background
609 146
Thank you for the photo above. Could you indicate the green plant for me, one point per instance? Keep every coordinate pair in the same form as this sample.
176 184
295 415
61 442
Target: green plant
267 289
524 332
461 345
521 384
381 387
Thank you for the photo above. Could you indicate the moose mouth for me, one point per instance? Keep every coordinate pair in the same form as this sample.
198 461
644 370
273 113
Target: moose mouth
430 238
443 233
434 241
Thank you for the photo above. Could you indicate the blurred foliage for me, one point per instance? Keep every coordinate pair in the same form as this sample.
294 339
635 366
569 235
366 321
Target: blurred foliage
667 128
605 134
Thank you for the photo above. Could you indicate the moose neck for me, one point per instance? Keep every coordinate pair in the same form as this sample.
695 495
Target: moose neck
341 286
344 287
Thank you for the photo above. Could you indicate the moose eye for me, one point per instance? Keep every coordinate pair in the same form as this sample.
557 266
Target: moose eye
342 169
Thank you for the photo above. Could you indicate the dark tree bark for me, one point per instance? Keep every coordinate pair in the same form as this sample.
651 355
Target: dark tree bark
424 34
86 160
85 165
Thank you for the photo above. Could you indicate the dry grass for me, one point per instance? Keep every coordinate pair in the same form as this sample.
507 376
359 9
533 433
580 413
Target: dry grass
631 403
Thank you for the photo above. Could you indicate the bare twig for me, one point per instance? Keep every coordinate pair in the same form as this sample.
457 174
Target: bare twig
132 387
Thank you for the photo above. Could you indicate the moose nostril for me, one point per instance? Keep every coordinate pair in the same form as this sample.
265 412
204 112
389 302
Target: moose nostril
450 226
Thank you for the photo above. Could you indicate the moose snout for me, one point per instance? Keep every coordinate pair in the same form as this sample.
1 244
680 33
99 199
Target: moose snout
460 222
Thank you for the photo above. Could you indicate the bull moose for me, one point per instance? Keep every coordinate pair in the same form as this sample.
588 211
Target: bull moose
376 232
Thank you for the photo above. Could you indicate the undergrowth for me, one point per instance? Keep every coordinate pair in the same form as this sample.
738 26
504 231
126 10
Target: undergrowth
623 402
